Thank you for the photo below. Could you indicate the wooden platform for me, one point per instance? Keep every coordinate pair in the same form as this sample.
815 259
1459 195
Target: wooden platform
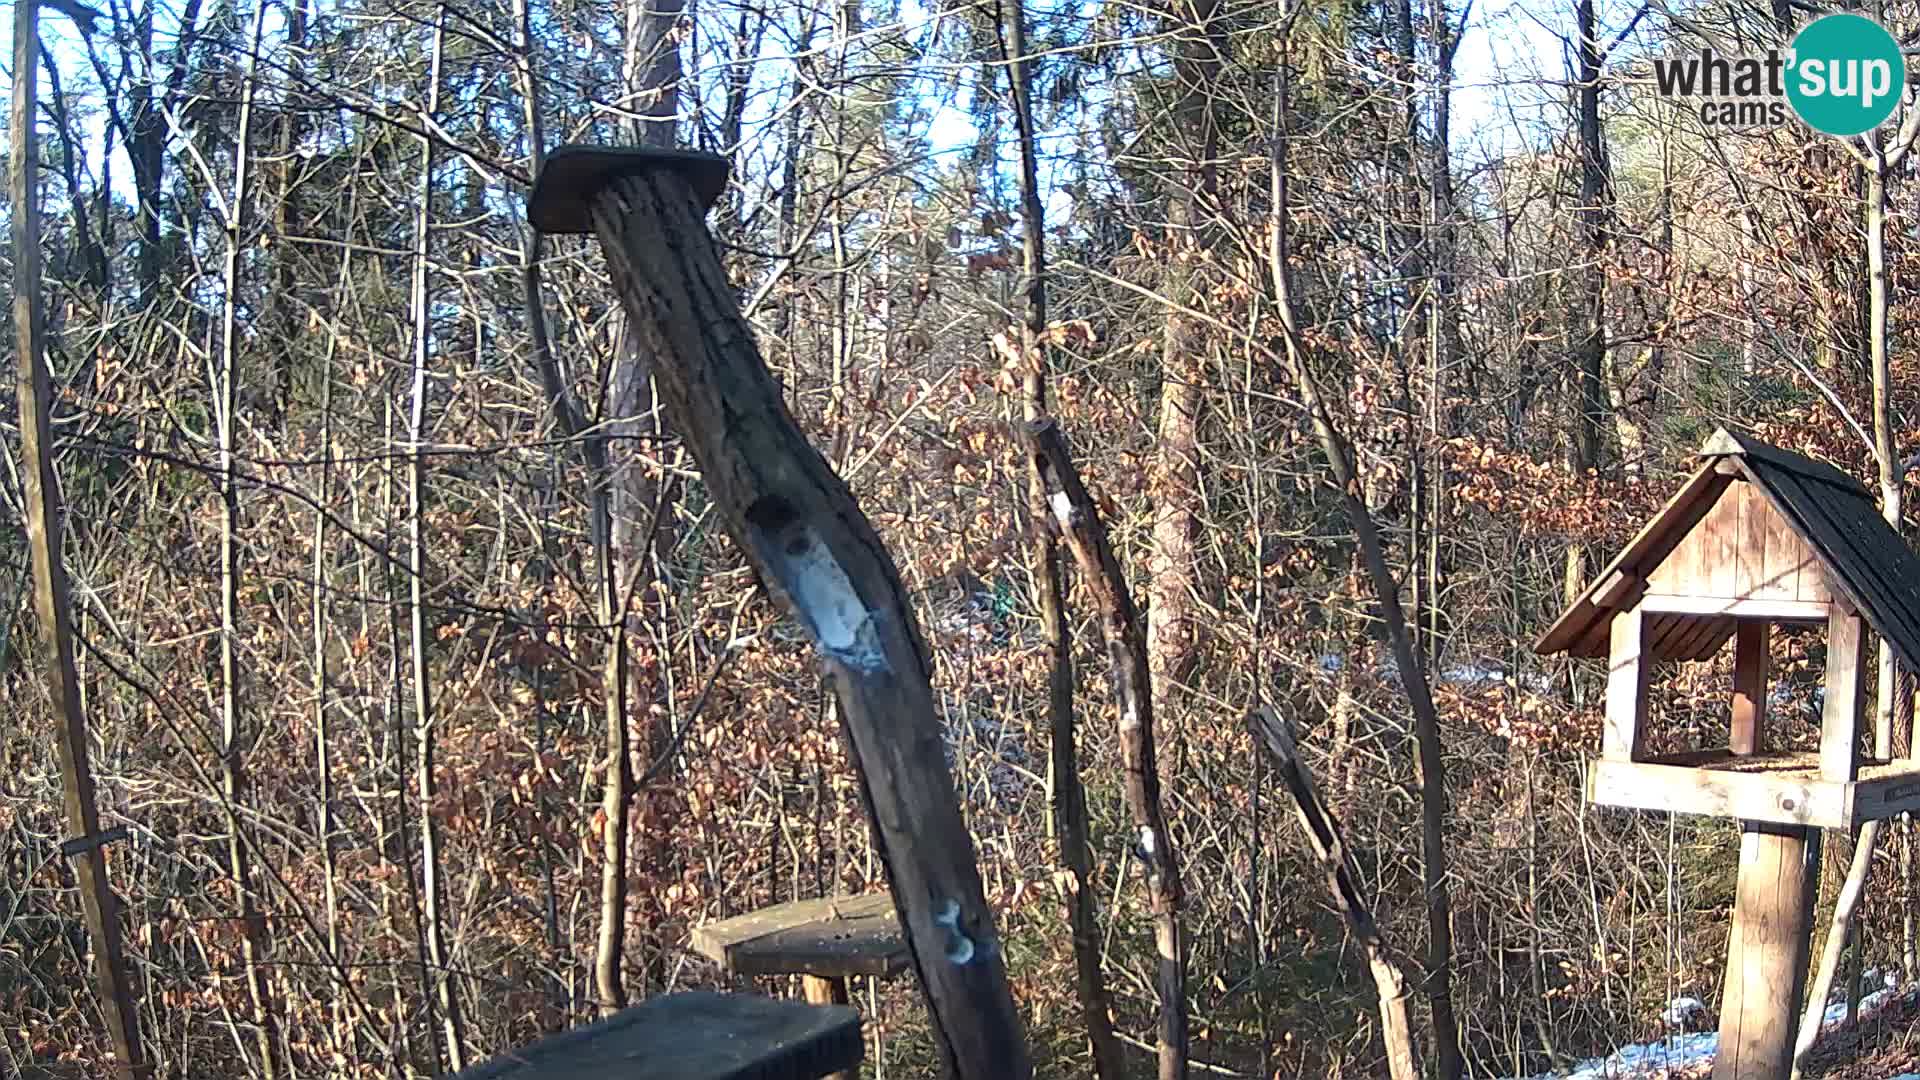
830 938
693 1036
1784 788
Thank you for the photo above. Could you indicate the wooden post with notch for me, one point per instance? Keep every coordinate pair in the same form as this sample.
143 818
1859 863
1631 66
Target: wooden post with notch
815 552
1769 943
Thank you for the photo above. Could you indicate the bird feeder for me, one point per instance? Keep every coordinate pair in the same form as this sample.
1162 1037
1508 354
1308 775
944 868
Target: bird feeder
1757 536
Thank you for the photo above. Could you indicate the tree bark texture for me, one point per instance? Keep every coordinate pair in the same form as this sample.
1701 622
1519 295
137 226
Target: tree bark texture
1078 523
819 557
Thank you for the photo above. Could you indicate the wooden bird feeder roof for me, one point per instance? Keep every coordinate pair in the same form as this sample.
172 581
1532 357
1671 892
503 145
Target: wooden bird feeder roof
1797 535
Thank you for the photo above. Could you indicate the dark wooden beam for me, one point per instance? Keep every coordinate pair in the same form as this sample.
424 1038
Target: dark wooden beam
693 1036
820 559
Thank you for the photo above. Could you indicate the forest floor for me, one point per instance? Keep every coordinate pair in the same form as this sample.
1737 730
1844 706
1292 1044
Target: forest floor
1882 1044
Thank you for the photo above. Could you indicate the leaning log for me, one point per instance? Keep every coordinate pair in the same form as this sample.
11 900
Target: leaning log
817 555
1078 523
1323 832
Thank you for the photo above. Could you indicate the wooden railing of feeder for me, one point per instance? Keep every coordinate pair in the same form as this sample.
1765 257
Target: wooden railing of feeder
1756 536
815 552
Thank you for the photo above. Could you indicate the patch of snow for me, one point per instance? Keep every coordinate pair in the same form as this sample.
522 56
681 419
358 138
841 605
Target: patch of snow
1673 1053
1686 1013
1679 1052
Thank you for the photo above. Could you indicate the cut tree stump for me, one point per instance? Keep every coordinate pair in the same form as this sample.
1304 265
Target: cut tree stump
817 555
693 1036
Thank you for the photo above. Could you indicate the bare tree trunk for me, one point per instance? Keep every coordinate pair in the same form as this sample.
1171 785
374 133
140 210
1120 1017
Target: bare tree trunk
1174 484
446 992
1323 832
1444 348
234 737
623 495
1078 522
1429 764
51 600
1886 453
1069 796
288 203
1587 448
801 528
1879 160
322 567
1838 934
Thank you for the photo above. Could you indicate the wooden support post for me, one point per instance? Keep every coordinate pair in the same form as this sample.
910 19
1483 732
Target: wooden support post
1623 736
1767 951
1846 698
830 990
817 555
825 989
1750 662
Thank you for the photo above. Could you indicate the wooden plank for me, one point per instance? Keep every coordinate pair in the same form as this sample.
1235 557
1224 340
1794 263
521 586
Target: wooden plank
1623 735
1661 577
832 937
1750 561
1770 610
1665 632
1887 796
1786 555
1690 561
1846 697
1750 664
1619 590
1720 632
693 1036
1767 953
1720 543
1792 798
827 569
1703 638
1595 642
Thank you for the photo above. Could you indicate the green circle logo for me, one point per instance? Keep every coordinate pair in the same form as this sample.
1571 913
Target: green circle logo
1847 74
